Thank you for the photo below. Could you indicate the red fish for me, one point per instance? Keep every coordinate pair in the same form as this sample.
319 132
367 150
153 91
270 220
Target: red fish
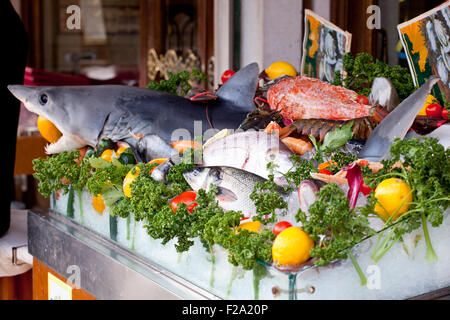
308 98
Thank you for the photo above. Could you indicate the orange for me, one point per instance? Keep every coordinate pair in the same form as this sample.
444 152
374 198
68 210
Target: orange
291 247
98 204
107 155
393 198
120 151
280 68
48 130
158 162
129 179
253 226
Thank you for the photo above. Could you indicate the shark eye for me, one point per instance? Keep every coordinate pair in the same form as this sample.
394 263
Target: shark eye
43 99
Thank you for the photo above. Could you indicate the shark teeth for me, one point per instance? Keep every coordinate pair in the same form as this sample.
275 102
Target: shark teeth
65 143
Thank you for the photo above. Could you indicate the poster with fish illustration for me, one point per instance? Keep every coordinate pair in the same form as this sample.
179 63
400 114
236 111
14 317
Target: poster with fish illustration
324 46
426 40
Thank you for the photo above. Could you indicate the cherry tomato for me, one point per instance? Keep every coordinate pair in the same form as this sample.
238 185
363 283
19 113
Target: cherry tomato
325 171
434 111
188 198
363 99
280 226
444 113
227 75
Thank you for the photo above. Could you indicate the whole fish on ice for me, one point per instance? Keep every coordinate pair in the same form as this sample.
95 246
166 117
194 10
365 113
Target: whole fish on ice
251 151
234 188
147 120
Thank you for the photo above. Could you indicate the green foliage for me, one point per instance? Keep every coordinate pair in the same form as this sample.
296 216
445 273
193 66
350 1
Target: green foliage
339 160
333 225
362 70
267 199
428 175
177 84
332 141
53 170
300 171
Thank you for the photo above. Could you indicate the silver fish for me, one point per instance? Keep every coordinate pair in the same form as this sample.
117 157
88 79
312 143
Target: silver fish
396 124
234 188
251 151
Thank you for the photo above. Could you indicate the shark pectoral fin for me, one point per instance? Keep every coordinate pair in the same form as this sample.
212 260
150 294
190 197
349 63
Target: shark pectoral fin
225 195
152 147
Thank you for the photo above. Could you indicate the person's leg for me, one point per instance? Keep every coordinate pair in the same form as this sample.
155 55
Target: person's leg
12 68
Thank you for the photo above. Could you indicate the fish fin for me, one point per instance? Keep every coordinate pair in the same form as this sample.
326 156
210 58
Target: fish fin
153 147
396 124
239 91
225 195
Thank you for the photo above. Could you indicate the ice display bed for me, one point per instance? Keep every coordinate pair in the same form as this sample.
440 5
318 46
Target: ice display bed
401 274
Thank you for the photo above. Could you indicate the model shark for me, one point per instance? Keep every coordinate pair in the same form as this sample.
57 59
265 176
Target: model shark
147 120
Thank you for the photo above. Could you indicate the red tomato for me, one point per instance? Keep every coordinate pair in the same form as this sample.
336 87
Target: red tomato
227 75
434 111
188 198
280 226
363 99
444 114
325 171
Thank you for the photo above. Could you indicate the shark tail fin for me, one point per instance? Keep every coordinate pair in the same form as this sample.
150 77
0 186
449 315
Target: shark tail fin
239 91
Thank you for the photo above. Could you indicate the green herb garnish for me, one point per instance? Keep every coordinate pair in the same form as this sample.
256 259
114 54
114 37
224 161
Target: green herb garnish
362 70
177 84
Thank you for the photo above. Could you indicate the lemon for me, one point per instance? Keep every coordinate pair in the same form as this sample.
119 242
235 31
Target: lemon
280 68
221 134
129 178
48 130
98 204
292 247
253 226
430 100
393 196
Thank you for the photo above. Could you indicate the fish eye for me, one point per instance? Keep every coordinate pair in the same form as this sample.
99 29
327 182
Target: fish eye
271 155
43 99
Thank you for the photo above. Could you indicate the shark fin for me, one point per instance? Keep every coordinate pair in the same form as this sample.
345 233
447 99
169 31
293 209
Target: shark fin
239 90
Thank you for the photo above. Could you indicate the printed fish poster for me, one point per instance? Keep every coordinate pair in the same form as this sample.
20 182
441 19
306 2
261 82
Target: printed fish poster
426 40
324 46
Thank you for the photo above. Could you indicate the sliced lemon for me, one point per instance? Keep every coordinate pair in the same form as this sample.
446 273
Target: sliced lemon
219 135
129 179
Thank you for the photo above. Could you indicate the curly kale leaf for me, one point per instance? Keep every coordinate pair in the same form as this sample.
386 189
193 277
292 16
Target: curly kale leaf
177 84
362 70
333 225
58 171
301 170
267 198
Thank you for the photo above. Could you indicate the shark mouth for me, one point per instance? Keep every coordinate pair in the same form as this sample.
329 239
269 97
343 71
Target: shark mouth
67 142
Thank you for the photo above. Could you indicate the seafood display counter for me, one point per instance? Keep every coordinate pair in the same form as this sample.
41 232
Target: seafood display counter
119 260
